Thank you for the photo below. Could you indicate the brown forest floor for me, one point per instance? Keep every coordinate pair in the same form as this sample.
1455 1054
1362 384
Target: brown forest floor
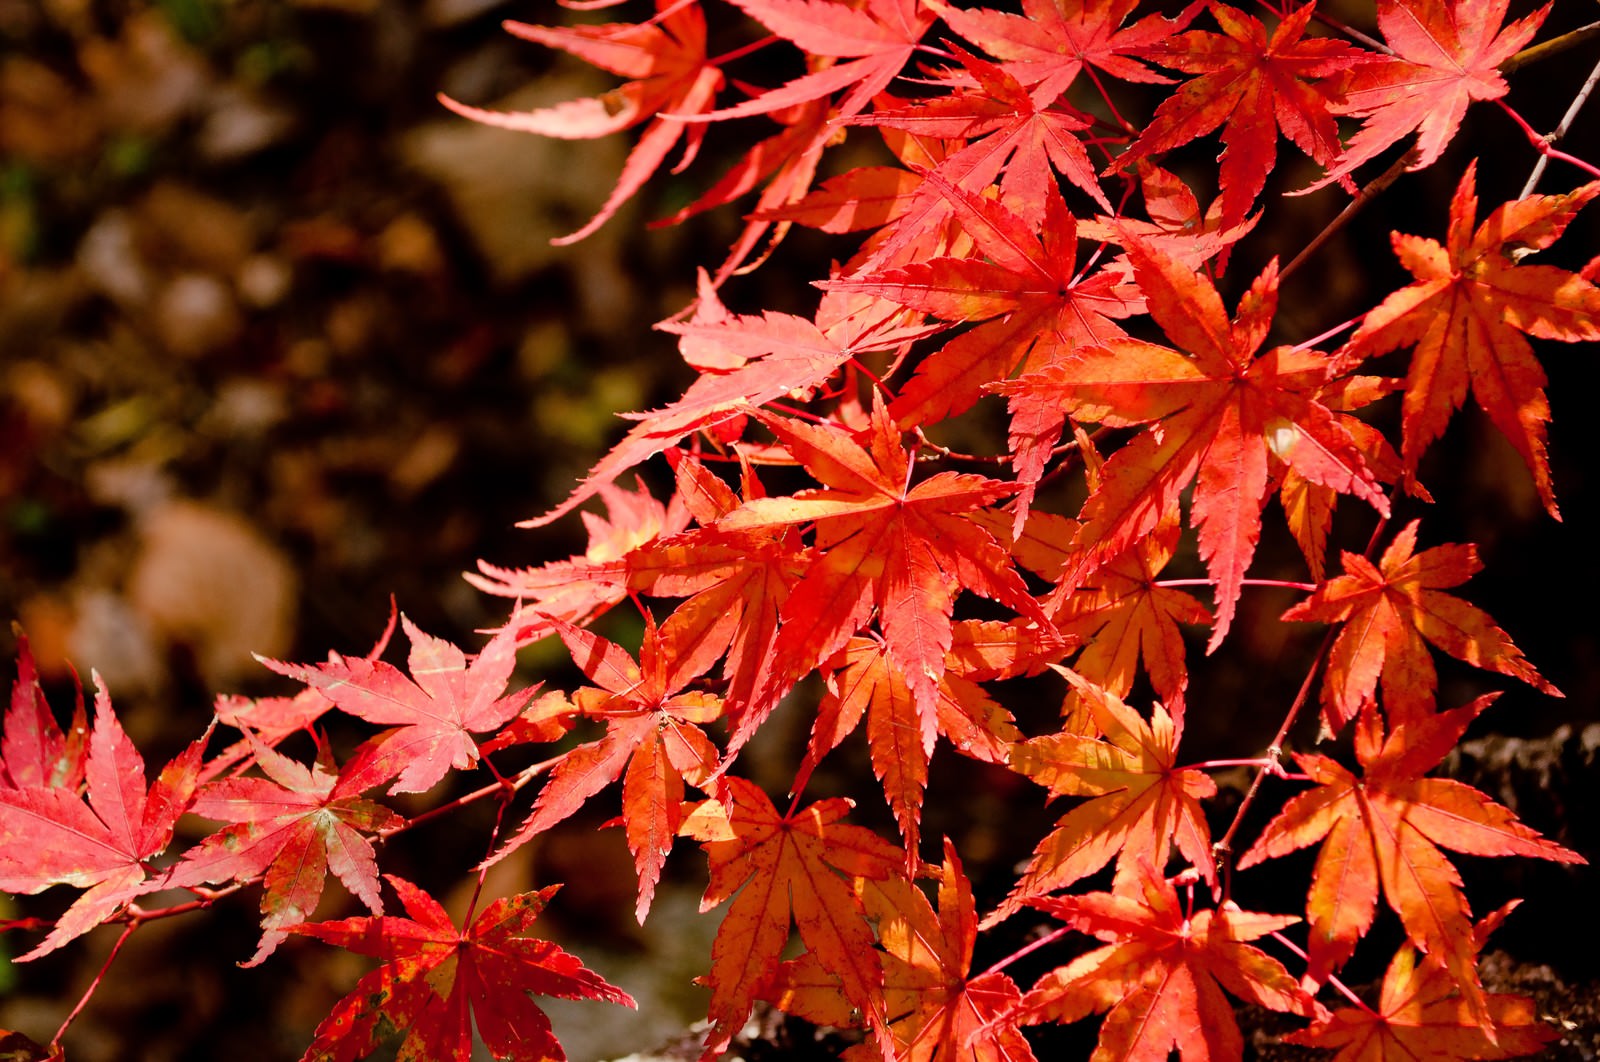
280 337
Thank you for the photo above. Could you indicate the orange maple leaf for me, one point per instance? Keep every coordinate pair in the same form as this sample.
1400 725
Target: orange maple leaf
1420 1016
863 683
1140 803
1467 313
1383 830
653 740
1388 609
938 1011
1161 973
797 865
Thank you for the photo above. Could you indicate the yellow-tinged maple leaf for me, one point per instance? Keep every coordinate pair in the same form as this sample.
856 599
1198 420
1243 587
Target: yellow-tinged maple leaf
1388 610
1383 830
1140 802
1161 973
800 864
1467 313
1421 1016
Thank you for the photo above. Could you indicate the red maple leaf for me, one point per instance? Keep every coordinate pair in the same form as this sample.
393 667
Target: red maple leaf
1257 85
437 980
581 588
1444 55
1023 284
1219 417
1383 830
1051 41
50 836
735 581
1004 130
666 57
1161 973
880 542
1139 803
1388 611
796 865
294 826
436 711
1467 312
875 37
653 740
1421 1016
34 751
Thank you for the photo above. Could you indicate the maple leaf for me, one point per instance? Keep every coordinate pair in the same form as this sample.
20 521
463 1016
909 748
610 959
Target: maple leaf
1383 830
735 581
436 980
1388 610
1444 56
863 683
1176 226
879 541
1121 616
938 1011
1026 289
876 38
1420 1016
766 357
1047 46
34 752
1257 85
1139 802
1004 130
50 836
1219 414
1161 973
436 710
653 739
581 588
1466 315
797 865
666 57
293 826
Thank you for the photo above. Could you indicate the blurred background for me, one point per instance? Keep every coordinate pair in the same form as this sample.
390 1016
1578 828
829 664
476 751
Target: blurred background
281 337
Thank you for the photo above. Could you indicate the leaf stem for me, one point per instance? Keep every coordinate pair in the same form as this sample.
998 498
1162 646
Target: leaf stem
127 931
1351 209
1049 938
1561 130
1541 143
1340 986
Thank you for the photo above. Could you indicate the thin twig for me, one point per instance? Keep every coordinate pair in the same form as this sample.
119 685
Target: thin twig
1554 46
1352 208
1561 130
127 931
